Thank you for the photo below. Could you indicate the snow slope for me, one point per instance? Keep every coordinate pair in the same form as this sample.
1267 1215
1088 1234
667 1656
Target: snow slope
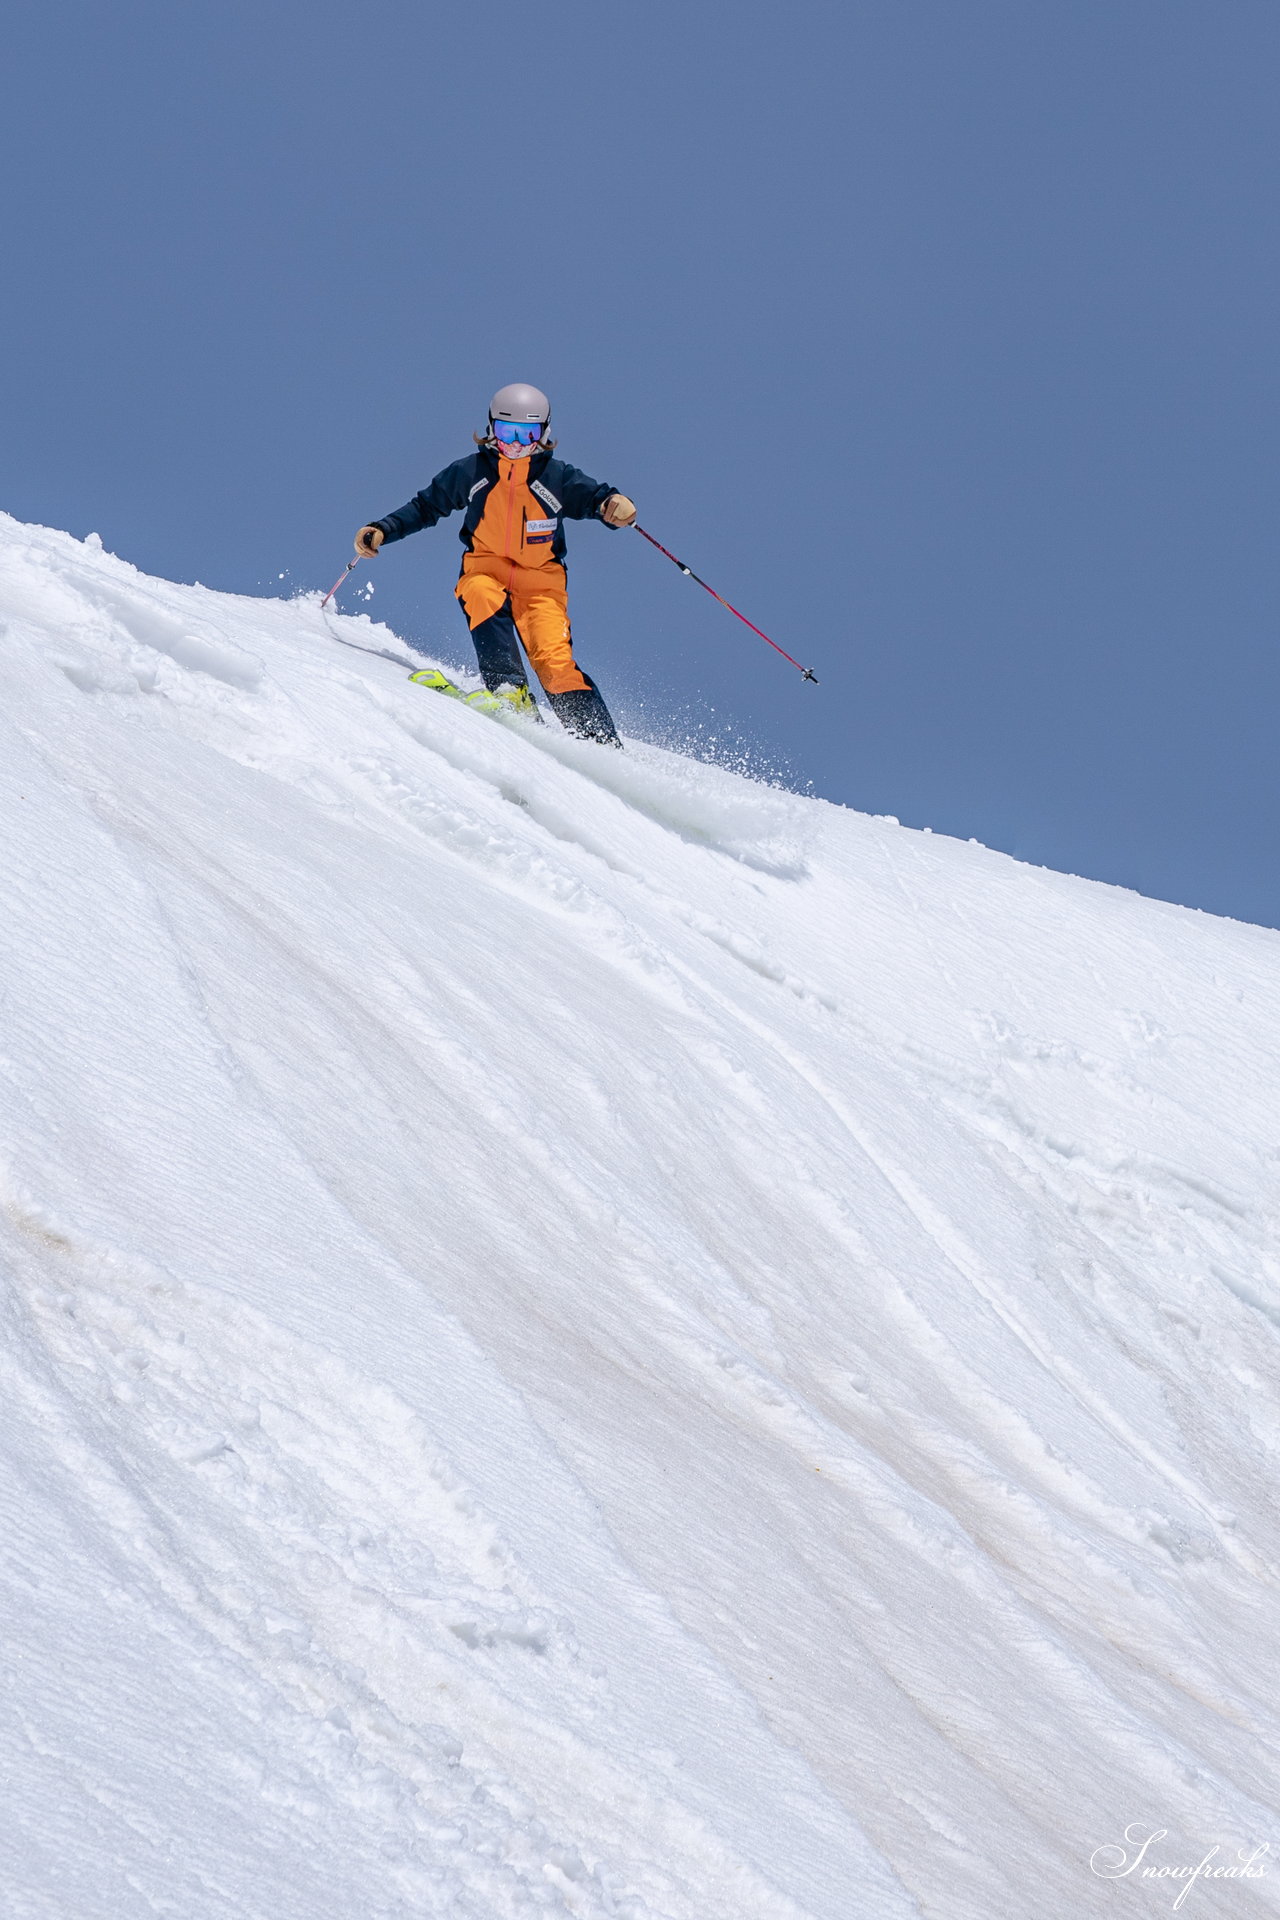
580 1335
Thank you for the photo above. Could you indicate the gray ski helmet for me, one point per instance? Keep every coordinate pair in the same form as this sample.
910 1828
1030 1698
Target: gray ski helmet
518 402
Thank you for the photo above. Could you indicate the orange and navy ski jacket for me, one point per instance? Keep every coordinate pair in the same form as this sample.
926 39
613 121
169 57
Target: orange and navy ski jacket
547 492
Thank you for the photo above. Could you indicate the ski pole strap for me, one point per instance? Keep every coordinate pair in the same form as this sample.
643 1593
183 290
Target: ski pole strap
807 672
341 577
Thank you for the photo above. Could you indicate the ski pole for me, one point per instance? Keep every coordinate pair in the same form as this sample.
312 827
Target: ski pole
807 672
338 582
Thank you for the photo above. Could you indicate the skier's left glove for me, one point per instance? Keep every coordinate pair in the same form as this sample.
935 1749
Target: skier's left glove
618 511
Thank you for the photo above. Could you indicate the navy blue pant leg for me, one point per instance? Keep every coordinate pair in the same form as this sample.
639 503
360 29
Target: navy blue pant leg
585 713
498 650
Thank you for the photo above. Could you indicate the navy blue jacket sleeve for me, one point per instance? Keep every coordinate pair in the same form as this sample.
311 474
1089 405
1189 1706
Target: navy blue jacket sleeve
448 492
580 496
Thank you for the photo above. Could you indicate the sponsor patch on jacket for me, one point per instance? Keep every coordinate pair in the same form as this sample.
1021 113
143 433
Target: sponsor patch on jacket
539 526
544 494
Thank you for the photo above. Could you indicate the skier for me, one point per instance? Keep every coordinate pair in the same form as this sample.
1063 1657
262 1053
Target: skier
514 497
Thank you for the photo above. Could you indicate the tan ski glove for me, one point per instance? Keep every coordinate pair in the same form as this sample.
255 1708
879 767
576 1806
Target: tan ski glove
369 539
618 511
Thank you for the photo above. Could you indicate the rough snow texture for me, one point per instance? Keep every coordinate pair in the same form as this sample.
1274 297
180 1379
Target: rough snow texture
582 1336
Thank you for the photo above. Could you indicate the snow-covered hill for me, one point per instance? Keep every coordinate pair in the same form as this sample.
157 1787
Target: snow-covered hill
580 1335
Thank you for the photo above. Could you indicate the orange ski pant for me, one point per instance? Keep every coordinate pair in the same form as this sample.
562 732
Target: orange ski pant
539 607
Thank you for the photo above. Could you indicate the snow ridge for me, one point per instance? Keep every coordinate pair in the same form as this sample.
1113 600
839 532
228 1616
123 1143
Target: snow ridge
584 1336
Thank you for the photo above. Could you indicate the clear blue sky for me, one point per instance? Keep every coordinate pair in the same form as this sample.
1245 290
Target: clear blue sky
941 338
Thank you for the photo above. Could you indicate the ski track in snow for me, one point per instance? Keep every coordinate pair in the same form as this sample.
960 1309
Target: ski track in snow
583 1336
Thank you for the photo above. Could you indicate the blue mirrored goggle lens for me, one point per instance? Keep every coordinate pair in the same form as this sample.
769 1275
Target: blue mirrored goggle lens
520 433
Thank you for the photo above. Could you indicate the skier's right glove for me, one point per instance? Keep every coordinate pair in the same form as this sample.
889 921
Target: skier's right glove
368 540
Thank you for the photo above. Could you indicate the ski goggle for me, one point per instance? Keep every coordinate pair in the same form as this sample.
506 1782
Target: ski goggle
518 433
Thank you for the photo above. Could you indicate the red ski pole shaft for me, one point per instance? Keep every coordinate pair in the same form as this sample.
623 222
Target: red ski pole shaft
341 577
805 671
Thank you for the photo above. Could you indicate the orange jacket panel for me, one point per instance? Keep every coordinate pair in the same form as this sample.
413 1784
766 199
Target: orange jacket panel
515 525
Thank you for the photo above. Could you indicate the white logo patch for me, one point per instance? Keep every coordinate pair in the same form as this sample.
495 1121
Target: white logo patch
545 494
476 489
540 526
